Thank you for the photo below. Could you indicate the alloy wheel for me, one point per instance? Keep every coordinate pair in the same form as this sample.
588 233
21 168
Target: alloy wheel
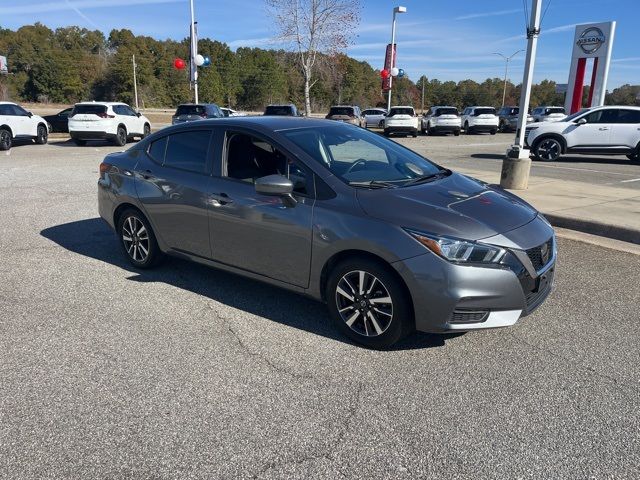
136 239
5 140
549 149
364 303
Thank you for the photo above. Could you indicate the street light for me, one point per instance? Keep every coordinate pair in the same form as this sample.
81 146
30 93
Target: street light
506 69
393 50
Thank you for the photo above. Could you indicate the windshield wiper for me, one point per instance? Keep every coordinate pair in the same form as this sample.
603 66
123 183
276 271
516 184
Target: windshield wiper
373 184
445 172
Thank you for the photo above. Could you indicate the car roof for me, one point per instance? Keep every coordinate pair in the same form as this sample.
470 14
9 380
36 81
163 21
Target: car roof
274 123
8 103
481 106
444 106
196 104
343 106
402 106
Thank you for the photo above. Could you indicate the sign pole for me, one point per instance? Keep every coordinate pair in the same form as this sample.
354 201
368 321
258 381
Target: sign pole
517 164
193 68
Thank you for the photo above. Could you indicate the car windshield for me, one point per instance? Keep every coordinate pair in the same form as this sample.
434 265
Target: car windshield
191 110
446 111
348 111
89 109
571 117
278 110
549 111
360 157
512 111
484 111
401 111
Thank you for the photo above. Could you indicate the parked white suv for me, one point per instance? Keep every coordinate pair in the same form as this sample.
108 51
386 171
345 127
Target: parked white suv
374 117
611 130
548 114
113 121
401 119
480 119
441 119
17 123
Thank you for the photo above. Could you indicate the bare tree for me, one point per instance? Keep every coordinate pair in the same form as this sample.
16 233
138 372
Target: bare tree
310 27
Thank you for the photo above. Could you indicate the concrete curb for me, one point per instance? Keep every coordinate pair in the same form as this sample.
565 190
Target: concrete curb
616 232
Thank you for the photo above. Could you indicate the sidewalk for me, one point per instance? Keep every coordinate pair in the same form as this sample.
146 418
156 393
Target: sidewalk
597 209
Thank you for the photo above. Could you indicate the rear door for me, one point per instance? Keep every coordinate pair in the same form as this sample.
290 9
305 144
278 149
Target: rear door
254 232
626 130
173 179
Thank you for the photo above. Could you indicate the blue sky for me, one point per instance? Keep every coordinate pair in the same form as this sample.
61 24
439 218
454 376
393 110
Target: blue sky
448 40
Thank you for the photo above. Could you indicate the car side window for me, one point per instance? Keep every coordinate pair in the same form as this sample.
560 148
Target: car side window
157 149
249 158
628 116
602 116
128 111
188 150
117 110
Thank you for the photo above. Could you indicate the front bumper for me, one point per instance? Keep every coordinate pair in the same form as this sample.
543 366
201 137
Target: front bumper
456 297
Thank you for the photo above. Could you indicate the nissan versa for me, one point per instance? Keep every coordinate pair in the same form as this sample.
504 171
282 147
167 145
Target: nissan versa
389 240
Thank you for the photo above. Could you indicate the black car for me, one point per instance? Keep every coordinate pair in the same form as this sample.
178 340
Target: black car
60 121
289 110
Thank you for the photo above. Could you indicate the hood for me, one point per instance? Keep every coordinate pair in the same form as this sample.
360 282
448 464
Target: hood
455 206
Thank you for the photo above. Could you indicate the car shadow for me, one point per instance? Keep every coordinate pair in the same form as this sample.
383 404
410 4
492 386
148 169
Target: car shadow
564 159
94 239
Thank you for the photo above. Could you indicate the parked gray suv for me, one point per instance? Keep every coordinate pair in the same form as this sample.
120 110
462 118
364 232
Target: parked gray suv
389 240
189 112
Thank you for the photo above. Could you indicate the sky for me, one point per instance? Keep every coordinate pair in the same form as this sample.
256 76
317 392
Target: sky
447 40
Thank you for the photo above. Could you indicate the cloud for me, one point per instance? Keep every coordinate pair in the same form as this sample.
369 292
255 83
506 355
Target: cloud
488 14
82 15
253 42
76 5
626 59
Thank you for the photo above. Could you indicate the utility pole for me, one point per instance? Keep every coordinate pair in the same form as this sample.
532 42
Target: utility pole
135 81
423 80
517 164
193 52
396 10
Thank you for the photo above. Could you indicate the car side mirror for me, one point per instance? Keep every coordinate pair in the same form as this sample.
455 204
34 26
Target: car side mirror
582 121
138 114
276 186
29 114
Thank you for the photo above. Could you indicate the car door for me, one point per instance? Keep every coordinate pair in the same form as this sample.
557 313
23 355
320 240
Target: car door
626 129
594 134
254 232
173 180
135 124
19 121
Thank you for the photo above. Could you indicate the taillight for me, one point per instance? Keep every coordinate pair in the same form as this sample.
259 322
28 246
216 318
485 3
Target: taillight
105 115
105 168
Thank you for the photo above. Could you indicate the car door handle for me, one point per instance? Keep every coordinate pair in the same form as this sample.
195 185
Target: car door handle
221 198
603 128
146 174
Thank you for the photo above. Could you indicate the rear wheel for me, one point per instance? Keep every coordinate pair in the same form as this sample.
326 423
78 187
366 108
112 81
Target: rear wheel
494 131
5 139
415 134
548 149
467 130
368 303
121 137
42 135
457 133
386 132
138 240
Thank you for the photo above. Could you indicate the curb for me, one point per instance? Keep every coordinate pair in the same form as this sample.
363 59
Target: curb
595 228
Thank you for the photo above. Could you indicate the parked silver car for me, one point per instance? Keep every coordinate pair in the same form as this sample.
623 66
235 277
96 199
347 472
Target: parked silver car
389 240
374 117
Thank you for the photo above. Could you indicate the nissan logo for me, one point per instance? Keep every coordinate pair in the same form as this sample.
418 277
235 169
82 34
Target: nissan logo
591 40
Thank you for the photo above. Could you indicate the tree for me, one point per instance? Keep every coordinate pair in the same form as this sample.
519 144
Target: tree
310 27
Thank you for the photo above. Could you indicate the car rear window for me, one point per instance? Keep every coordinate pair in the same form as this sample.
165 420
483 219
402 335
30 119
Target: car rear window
401 111
446 111
278 110
89 109
484 111
341 111
549 111
191 110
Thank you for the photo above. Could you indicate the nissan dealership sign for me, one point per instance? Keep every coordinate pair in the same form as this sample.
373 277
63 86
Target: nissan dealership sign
591 39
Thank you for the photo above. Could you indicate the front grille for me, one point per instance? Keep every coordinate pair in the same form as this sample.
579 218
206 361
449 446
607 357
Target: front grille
541 255
461 315
535 297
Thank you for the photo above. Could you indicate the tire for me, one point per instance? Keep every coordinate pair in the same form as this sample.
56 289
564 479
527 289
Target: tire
79 142
494 131
430 130
136 236
457 133
467 130
415 134
5 139
635 157
42 135
392 319
547 149
386 132
121 137
146 131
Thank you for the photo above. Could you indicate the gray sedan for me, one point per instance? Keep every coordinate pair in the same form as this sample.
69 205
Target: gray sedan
389 240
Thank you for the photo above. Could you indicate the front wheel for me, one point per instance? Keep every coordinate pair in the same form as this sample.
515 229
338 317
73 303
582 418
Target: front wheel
493 132
634 157
146 130
5 139
138 240
42 135
467 130
457 133
368 303
548 149
386 132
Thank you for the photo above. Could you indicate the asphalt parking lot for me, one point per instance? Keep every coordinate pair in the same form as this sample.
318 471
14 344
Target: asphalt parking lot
188 372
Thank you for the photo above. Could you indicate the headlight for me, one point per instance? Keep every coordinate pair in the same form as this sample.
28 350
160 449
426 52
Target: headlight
460 251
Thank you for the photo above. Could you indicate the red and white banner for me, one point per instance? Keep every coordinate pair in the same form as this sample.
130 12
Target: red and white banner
386 82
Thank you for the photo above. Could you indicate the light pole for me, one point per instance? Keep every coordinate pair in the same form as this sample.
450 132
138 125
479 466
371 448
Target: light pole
396 10
193 52
517 164
506 70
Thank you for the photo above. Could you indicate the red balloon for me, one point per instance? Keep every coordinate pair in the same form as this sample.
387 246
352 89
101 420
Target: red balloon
179 63
384 73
